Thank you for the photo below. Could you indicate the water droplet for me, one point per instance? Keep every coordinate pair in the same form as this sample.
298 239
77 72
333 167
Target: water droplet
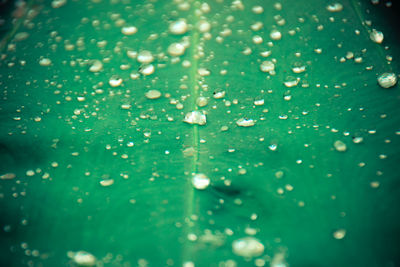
200 181
153 94
129 30
267 66
7 176
203 72
115 81
201 101
145 56
96 66
82 258
107 182
45 62
245 122
340 146
387 80
273 147
147 69
376 36
204 26
335 7
259 102
248 247
291 81
178 27
358 140
298 67
339 234
275 35
176 49
195 117
219 94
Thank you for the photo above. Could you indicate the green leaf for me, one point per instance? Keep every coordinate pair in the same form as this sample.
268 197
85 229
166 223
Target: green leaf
190 133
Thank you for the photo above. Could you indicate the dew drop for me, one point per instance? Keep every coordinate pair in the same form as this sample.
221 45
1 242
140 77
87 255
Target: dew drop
153 94
195 117
245 122
340 146
387 80
248 247
200 181
178 27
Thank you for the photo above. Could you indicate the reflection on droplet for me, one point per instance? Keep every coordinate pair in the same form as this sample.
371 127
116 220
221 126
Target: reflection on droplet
387 80
340 146
195 117
153 94
200 181
248 247
245 122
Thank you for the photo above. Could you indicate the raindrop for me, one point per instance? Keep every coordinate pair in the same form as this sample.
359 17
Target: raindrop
115 81
245 122
96 66
200 181
275 35
147 69
291 81
82 258
107 182
298 67
248 247
153 94
387 80
45 62
201 101
219 94
195 117
358 139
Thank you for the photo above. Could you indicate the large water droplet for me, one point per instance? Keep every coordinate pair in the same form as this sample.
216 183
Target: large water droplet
145 56
245 122
200 181
195 117
387 80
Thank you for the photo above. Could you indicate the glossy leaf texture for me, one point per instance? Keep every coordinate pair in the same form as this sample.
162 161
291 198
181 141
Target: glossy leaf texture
110 108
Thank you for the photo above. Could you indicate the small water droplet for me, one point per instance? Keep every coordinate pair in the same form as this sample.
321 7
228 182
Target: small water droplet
248 247
387 80
153 94
200 181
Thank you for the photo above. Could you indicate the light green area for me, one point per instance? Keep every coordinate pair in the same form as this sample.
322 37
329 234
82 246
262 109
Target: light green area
56 122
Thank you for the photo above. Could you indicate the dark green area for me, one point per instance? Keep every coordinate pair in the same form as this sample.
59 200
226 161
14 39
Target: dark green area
145 217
